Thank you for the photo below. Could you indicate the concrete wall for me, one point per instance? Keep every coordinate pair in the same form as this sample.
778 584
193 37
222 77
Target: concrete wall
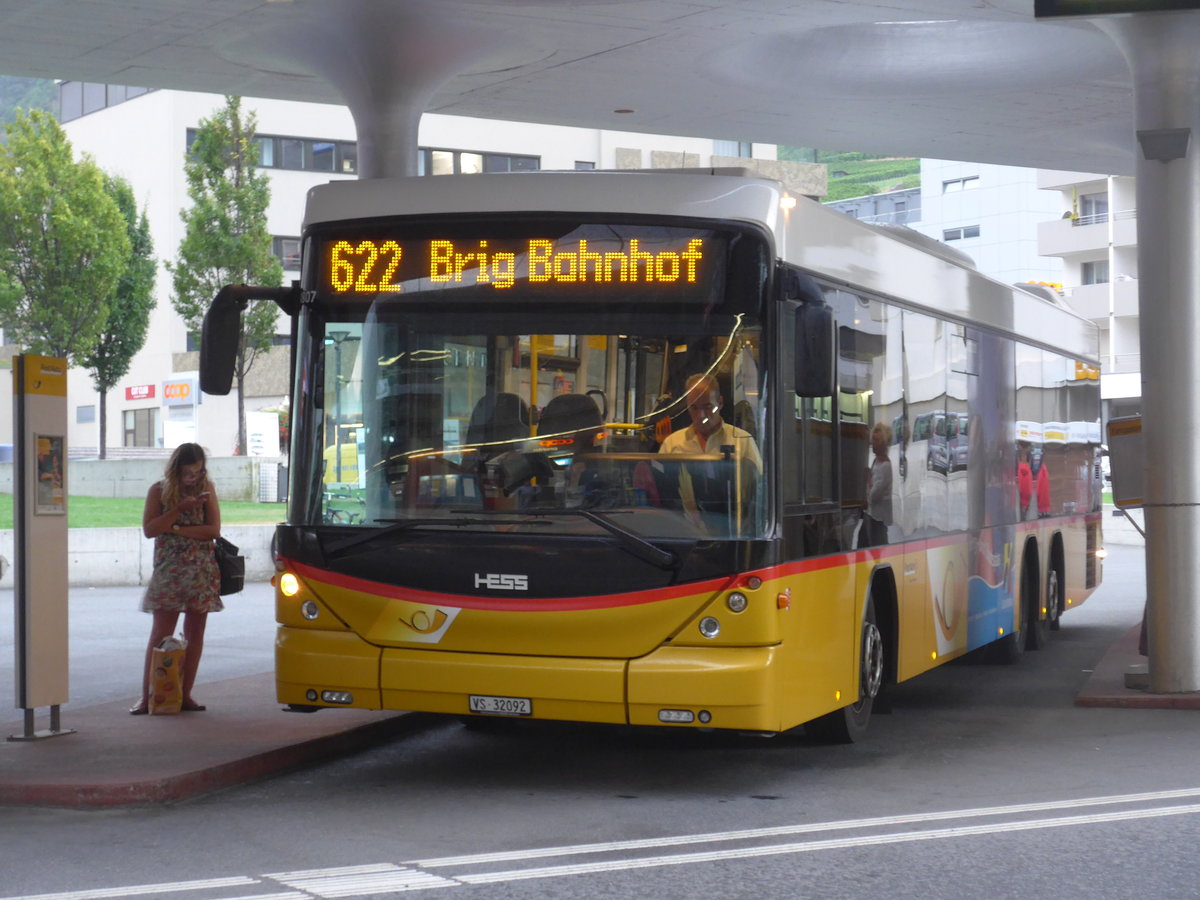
112 557
251 478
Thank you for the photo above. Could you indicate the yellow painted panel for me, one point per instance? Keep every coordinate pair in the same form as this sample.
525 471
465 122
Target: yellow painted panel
590 690
819 635
736 685
44 375
325 660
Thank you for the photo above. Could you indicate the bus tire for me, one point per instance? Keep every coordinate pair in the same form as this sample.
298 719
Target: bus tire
1039 624
849 724
1010 648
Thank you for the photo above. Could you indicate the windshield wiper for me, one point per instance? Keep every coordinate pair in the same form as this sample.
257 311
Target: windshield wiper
626 539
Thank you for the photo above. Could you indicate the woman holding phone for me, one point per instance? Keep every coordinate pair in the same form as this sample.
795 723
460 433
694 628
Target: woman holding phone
183 517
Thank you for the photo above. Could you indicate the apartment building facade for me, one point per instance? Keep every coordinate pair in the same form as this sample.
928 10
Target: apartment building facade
1095 236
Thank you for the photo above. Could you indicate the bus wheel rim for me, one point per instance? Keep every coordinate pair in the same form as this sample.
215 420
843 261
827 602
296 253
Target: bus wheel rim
872 667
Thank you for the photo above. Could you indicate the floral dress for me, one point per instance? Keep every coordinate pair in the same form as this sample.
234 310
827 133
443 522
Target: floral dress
185 577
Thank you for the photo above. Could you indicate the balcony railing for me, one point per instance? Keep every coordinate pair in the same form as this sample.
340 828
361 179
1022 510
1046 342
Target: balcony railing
1123 363
1102 218
895 217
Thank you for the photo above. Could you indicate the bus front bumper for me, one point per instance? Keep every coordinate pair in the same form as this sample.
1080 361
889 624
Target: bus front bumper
727 687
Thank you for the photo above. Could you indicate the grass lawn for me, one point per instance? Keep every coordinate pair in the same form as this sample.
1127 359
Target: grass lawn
123 512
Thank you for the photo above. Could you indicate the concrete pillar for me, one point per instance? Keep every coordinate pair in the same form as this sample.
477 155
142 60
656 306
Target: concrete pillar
1161 49
386 60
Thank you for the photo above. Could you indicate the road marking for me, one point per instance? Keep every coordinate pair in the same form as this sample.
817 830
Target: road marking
810 828
135 890
391 878
354 881
619 865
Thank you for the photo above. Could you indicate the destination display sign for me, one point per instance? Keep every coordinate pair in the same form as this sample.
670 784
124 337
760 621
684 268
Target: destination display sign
677 262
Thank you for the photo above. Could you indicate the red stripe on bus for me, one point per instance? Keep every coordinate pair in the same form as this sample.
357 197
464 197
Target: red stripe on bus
656 595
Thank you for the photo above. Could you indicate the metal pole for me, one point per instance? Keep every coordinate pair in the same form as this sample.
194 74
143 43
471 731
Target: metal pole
337 407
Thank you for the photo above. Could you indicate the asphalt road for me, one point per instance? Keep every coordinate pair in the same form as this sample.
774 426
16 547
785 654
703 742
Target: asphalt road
985 781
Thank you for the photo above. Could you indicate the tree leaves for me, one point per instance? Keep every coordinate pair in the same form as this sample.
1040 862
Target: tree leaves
226 240
63 239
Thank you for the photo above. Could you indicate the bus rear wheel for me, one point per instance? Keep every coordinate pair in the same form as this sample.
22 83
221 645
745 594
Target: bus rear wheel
1039 622
849 724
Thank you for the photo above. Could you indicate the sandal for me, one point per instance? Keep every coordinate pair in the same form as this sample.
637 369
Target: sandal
139 709
192 706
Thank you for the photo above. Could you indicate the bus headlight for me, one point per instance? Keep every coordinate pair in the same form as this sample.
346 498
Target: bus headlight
289 584
737 602
710 627
309 610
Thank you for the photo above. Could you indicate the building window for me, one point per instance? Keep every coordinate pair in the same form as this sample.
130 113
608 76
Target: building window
958 234
319 155
288 251
1094 272
324 155
1093 209
741 149
304 154
291 154
85 415
954 185
434 161
499 162
266 151
139 427
584 164
70 100
78 98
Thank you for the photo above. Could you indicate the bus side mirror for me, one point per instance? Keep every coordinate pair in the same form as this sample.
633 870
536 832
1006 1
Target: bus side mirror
814 360
219 337
221 332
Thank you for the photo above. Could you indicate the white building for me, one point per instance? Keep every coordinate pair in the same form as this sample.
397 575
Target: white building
992 213
989 212
1095 235
143 136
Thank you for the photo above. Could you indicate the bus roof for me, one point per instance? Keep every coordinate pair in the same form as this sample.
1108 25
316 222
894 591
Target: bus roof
824 241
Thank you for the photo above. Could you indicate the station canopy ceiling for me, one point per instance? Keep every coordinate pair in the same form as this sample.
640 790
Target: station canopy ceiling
979 80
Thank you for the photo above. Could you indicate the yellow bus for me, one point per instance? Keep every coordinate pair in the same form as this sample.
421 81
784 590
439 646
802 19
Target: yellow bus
555 527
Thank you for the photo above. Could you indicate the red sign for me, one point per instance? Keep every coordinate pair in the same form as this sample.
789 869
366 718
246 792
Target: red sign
140 392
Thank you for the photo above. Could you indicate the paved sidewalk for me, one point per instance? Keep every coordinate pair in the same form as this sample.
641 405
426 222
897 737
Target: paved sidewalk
115 759
1107 684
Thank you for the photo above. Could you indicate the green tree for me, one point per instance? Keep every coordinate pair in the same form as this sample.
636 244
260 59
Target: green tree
130 305
226 240
62 241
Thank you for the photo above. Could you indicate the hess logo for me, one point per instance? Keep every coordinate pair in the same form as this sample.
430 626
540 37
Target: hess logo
497 582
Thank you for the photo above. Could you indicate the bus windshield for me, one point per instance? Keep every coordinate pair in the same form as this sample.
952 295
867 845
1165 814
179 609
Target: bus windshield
490 426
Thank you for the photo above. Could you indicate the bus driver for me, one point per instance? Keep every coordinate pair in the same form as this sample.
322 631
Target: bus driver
708 435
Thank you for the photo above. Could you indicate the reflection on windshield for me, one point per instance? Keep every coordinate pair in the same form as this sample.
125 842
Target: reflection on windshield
654 435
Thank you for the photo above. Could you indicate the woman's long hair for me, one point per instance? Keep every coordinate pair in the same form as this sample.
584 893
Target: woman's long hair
184 455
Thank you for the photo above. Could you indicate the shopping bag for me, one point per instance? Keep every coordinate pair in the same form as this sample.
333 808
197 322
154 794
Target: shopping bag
231 565
166 676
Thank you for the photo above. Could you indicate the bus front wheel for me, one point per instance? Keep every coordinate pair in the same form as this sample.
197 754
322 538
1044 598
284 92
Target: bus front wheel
849 724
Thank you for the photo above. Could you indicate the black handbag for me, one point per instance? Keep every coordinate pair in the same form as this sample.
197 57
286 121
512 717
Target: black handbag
231 565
